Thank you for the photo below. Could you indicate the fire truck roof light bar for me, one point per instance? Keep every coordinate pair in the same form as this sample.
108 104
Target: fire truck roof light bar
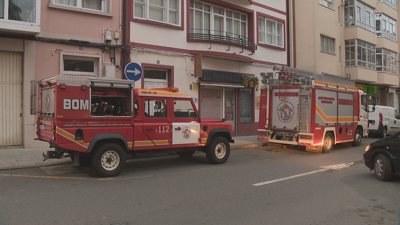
108 84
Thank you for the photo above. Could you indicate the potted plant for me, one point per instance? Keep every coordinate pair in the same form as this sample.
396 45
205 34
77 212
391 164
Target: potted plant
250 83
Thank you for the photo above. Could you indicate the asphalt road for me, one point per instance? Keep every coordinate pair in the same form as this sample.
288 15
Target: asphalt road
255 186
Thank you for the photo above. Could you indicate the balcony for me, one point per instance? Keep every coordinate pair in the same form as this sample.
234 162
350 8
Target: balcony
20 16
223 37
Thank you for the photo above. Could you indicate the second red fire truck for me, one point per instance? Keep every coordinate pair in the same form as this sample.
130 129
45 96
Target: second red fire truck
299 110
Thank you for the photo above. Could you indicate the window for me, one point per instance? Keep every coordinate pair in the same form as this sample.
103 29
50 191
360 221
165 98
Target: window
84 4
386 27
359 14
19 10
327 3
184 109
155 78
110 101
155 108
391 3
327 44
360 53
209 22
270 32
79 65
386 60
165 11
246 106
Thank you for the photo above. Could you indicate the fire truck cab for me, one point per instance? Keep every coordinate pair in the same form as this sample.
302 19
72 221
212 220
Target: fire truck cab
99 121
299 110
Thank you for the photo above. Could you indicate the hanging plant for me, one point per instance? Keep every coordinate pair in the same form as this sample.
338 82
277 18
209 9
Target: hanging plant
250 83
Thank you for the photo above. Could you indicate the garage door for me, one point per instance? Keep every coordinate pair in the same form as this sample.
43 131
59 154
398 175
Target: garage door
10 99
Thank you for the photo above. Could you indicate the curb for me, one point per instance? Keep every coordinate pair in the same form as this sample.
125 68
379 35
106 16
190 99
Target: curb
70 162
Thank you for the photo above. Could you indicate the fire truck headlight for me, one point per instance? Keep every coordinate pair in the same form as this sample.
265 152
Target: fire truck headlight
367 148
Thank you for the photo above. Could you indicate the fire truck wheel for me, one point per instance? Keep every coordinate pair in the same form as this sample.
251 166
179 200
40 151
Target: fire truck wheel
382 168
186 154
218 151
327 145
357 137
109 160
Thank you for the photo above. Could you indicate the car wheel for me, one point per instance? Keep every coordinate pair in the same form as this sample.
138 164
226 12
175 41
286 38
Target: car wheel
383 167
186 154
109 160
384 132
327 144
218 151
357 137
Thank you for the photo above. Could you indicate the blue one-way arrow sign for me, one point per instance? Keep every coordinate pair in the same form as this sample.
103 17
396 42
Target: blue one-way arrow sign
133 71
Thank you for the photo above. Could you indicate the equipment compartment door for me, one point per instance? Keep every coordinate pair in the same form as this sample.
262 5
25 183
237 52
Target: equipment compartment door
156 122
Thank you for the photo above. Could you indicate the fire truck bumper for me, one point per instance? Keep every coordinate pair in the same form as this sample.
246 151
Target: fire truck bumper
263 135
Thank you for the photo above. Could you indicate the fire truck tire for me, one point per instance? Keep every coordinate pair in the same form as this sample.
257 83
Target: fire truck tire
382 168
327 144
186 154
357 137
109 160
218 151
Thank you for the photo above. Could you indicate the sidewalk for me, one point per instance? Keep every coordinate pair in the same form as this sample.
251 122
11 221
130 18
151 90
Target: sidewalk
12 158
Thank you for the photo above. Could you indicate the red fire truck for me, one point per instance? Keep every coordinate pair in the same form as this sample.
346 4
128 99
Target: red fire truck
298 110
99 121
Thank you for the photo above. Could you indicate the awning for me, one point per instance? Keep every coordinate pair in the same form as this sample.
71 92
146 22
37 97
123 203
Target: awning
222 84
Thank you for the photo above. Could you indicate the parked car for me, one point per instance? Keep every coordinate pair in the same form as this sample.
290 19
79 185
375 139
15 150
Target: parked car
383 156
383 120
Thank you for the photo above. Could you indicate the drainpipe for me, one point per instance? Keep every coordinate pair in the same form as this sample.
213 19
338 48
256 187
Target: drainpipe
288 31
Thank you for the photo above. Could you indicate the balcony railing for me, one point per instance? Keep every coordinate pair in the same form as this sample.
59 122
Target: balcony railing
225 37
391 3
390 36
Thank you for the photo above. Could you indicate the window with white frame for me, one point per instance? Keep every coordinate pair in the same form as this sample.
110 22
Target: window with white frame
386 60
270 32
327 44
386 27
164 11
391 3
216 23
360 53
98 5
79 65
19 10
359 14
327 3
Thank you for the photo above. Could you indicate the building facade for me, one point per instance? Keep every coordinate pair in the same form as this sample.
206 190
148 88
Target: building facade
45 38
208 49
356 39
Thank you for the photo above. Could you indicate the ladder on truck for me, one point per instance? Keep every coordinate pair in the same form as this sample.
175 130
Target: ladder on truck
303 112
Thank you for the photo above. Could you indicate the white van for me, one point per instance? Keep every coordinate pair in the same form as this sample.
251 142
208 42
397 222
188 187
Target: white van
384 120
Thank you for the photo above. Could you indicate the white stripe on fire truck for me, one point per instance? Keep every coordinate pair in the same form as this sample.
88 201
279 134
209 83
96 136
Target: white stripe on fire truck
71 137
332 119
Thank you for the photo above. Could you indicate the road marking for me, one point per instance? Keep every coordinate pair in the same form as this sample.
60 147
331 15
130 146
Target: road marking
325 168
54 177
